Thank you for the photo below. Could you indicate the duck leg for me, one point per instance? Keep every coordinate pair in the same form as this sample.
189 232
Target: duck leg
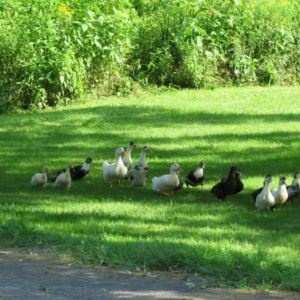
165 193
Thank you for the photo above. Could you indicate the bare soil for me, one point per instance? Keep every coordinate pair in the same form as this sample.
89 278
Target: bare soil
34 275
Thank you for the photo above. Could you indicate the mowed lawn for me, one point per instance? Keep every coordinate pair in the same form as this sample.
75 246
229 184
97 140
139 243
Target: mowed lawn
256 129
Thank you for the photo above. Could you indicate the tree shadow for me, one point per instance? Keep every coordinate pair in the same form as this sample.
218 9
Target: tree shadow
53 138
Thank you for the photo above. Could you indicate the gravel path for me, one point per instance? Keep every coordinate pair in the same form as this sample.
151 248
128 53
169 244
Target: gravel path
26 276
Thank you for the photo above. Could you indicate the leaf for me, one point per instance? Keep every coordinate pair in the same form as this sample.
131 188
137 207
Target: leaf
62 79
91 14
84 27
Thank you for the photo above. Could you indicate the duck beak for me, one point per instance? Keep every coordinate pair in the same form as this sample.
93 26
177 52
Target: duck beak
179 170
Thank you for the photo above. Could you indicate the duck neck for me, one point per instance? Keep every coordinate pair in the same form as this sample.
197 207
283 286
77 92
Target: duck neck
282 187
199 172
45 175
173 173
266 187
128 152
295 182
86 167
143 157
119 160
68 173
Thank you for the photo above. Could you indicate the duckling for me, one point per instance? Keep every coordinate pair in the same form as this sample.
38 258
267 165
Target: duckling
141 169
113 173
40 179
294 190
228 186
165 184
127 160
77 172
64 179
138 176
281 193
195 178
265 199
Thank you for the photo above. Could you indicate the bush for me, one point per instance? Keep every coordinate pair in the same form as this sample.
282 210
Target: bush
199 43
53 51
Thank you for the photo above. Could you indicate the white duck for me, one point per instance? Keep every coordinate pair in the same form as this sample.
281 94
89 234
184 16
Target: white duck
138 176
40 179
113 173
142 159
165 184
64 179
265 199
294 190
281 193
127 160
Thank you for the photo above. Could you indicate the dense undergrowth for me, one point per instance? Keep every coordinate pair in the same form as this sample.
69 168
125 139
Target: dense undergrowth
53 51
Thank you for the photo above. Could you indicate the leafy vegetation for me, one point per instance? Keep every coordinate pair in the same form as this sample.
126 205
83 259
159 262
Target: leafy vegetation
53 51
256 129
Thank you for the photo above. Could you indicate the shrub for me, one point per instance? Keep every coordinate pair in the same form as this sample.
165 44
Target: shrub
53 51
196 43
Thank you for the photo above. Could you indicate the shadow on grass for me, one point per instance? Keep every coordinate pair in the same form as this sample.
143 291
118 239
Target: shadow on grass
202 226
57 137
235 267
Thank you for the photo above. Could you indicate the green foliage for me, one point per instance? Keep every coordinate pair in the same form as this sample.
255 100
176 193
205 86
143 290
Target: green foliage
196 43
53 51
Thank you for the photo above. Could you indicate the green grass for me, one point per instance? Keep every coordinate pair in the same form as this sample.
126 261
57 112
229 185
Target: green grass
257 129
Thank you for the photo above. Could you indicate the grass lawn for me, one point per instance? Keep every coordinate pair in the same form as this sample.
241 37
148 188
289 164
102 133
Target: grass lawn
257 129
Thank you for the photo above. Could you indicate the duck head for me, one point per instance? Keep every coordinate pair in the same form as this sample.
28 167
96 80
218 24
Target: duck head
46 169
145 148
88 160
237 173
175 168
268 179
232 171
131 145
120 152
202 165
282 181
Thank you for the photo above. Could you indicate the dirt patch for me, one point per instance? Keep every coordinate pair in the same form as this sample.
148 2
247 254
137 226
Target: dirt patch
36 275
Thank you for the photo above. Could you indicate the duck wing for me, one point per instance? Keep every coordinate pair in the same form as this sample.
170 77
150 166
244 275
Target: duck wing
256 193
219 190
239 186
54 174
293 191
190 179
77 172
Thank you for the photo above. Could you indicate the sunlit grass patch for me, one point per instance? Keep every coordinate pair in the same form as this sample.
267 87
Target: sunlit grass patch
256 129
